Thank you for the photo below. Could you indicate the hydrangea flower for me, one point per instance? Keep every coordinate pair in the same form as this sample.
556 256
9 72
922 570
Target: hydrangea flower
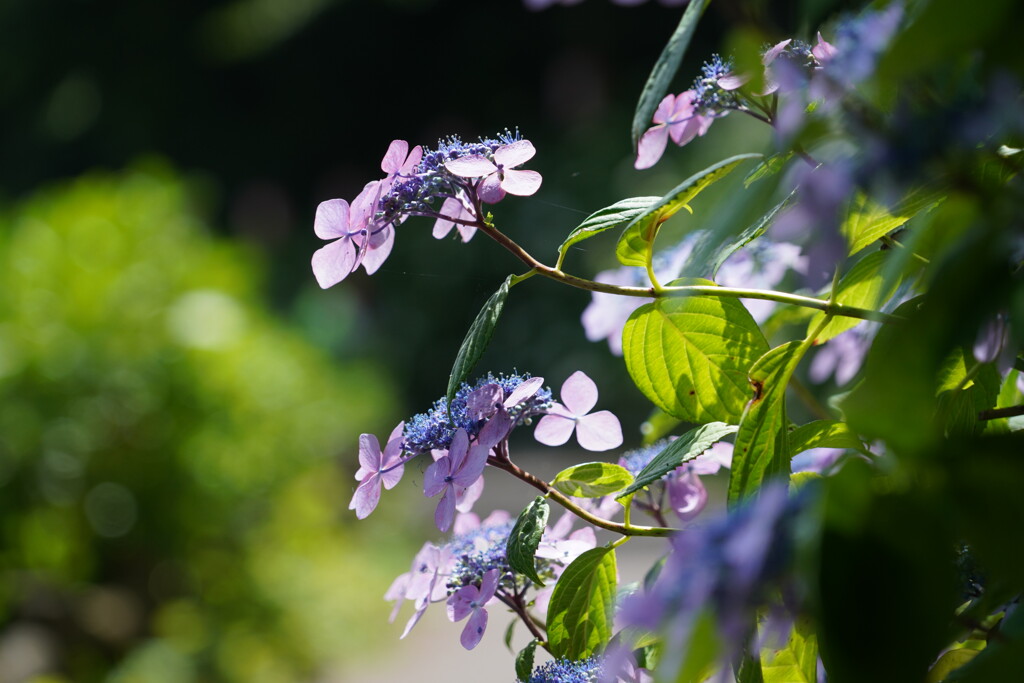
676 117
345 225
498 171
456 471
399 162
470 601
588 670
377 468
598 431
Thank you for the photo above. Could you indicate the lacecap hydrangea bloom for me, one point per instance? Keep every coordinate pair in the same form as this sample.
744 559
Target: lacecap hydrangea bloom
449 184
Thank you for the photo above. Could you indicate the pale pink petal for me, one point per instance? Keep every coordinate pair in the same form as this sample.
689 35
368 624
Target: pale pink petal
369 453
452 207
824 50
488 585
392 161
375 257
434 477
687 495
651 147
460 604
466 231
524 391
465 522
396 592
497 517
579 393
732 81
599 431
392 477
554 430
521 183
467 497
512 155
414 159
774 51
471 166
483 402
364 206
474 630
445 512
334 262
664 111
414 619
331 219
491 191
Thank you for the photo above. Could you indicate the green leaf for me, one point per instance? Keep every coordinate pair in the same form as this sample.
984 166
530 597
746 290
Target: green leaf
686 447
797 662
477 339
690 355
509 632
582 605
762 447
665 68
867 221
862 287
823 434
767 168
592 479
950 662
636 239
525 537
524 661
701 652
620 212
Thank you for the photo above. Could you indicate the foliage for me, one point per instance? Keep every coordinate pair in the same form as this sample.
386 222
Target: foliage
169 495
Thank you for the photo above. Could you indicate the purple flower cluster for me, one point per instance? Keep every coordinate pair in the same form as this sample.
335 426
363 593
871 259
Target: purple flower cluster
457 175
471 571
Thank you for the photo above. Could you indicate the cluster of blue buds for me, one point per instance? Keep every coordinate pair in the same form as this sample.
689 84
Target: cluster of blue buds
478 551
587 670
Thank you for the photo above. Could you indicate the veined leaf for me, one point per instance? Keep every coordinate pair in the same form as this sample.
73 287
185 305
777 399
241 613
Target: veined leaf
690 355
762 447
767 168
525 537
592 479
524 661
823 434
867 221
861 287
686 447
477 339
620 212
635 240
665 69
582 605
723 251
797 662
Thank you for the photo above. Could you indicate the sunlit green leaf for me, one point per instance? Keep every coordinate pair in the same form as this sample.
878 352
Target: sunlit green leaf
592 479
686 447
690 355
823 434
797 662
762 445
767 168
524 661
861 287
582 605
867 221
525 537
636 239
950 662
617 214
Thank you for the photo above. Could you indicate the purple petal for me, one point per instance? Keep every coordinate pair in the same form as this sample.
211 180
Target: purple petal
732 81
472 166
495 431
510 156
364 206
521 183
488 585
434 477
483 402
369 452
452 207
554 430
410 163
472 468
651 147
687 495
374 257
524 391
458 449
465 522
445 512
599 431
490 189
334 262
579 393
414 619
474 630
392 161
460 604
331 219
824 50
392 476
774 51
366 497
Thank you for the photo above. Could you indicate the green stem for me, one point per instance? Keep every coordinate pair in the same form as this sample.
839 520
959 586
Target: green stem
568 504
827 307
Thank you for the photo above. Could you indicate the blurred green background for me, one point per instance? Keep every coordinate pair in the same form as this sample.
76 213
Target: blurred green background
179 402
